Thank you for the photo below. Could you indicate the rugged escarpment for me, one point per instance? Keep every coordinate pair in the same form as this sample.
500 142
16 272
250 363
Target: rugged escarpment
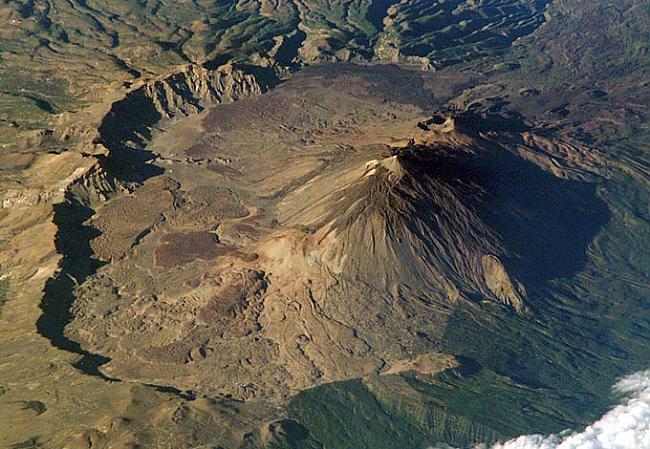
118 164
185 92
46 255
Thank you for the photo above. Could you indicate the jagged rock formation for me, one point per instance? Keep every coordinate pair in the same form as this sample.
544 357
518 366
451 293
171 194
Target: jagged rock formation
188 91
497 280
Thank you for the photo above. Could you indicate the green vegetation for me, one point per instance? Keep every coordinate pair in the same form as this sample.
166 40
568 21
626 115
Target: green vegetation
544 373
454 408
4 285
348 415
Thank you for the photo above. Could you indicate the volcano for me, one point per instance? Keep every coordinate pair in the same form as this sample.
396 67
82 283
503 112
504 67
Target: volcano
273 256
406 220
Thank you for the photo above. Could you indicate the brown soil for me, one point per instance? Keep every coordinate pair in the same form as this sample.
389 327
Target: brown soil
181 248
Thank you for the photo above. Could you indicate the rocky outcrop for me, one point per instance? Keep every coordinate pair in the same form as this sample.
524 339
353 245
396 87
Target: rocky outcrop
190 89
46 181
498 281
183 93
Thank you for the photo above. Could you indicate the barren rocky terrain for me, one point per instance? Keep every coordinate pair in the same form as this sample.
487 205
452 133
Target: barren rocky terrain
319 224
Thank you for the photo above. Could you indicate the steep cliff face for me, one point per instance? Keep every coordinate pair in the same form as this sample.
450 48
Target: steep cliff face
45 254
66 188
50 177
186 92
195 87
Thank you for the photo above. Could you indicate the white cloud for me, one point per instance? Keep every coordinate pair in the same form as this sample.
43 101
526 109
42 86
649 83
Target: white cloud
626 426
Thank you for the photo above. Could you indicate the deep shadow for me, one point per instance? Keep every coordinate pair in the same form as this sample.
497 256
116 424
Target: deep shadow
129 120
73 242
467 366
124 131
287 54
546 223
218 61
543 222
377 11
187 395
42 104
266 77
